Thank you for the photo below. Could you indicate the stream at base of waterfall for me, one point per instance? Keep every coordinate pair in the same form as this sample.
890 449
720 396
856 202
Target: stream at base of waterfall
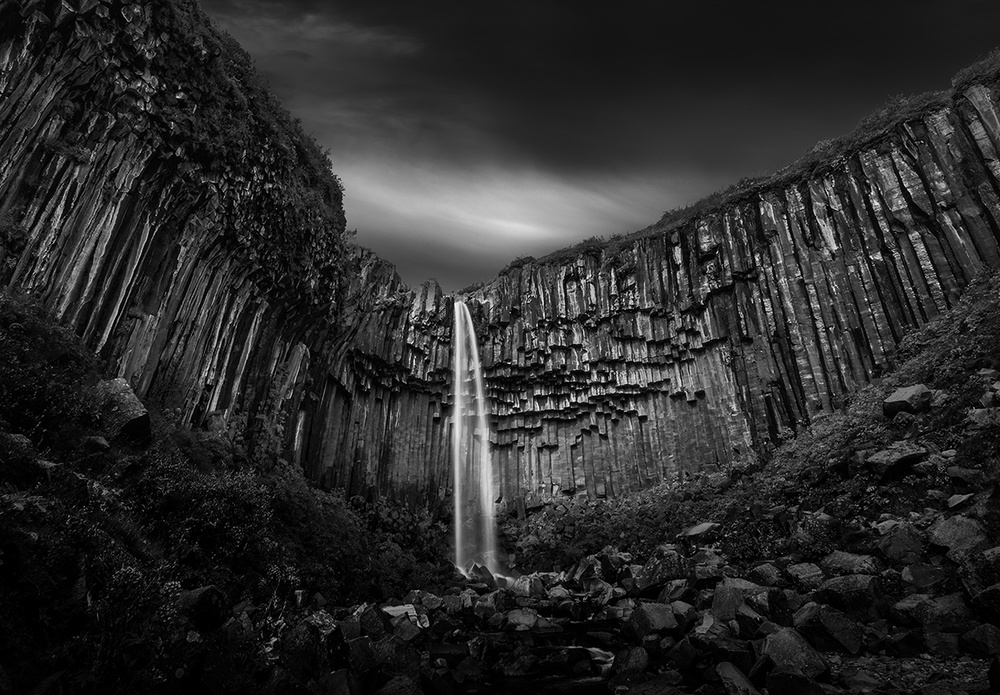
474 491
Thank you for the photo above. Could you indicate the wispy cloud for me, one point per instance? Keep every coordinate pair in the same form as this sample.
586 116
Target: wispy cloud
468 134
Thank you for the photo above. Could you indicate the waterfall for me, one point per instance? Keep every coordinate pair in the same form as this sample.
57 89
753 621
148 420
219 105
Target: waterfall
475 522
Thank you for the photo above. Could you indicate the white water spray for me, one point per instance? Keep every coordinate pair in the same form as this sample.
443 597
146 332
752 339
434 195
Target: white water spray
475 522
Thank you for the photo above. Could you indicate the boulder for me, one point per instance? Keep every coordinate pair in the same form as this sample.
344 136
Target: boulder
855 594
667 563
787 650
807 574
374 622
839 562
945 619
921 578
123 416
982 641
902 542
960 535
828 629
910 611
734 681
707 567
631 660
766 574
650 618
528 586
981 570
522 619
909 399
699 532
895 460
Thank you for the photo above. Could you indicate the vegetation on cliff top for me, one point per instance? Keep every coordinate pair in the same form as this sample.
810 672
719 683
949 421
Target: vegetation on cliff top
162 73
822 157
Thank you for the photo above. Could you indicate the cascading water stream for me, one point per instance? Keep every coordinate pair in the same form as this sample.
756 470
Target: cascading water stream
475 522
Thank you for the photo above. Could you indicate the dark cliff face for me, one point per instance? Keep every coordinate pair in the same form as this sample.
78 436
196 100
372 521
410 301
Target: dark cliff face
690 344
164 206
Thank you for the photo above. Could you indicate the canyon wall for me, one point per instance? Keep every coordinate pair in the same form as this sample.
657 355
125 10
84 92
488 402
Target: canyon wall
161 204
699 341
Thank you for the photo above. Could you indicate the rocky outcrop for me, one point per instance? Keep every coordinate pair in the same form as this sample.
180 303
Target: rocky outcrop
160 203
163 206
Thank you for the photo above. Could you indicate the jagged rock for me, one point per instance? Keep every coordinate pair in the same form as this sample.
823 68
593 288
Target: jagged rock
828 629
122 413
956 501
766 574
529 586
374 622
982 641
522 619
750 622
960 535
650 617
787 650
684 613
489 604
902 542
855 594
910 611
683 655
699 532
733 680
896 459
920 577
806 574
910 399
985 418
981 570
839 562
945 619
667 563
361 655
707 566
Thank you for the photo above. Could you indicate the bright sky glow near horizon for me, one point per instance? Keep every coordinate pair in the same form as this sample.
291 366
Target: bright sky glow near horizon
468 134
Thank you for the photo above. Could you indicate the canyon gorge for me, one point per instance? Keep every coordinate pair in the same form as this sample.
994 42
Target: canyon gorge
208 263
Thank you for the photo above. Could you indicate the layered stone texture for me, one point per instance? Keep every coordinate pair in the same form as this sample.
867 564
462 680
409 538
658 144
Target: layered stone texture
688 344
189 234
204 275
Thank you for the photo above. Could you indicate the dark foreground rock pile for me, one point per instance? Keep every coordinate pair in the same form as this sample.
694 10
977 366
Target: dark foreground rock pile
920 616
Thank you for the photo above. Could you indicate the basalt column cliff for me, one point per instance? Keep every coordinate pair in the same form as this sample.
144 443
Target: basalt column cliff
157 199
615 366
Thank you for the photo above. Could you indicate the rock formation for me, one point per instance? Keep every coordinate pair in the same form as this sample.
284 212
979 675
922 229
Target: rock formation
192 235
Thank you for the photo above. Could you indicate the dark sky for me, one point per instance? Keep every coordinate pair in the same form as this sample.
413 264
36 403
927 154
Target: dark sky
469 133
